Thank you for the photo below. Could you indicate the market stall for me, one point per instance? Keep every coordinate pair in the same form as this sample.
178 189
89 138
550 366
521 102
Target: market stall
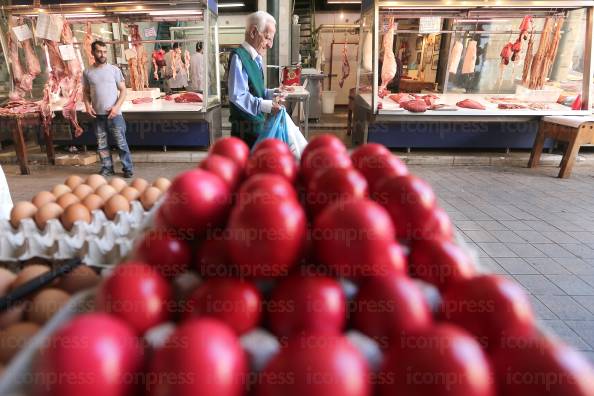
473 74
58 40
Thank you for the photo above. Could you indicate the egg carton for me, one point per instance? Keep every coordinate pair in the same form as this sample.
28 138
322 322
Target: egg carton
99 242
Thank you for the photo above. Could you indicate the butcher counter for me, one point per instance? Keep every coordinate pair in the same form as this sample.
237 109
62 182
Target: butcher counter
491 128
158 123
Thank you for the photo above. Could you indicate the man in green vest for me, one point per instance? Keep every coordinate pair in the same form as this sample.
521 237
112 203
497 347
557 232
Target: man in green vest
249 99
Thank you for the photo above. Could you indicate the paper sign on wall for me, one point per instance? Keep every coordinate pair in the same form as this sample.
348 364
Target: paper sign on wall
67 52
150 32
130 53
429 24
49 26
22 32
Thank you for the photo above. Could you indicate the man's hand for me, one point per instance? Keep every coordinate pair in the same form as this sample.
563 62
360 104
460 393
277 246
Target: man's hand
113 112
276 107
90 111
286 88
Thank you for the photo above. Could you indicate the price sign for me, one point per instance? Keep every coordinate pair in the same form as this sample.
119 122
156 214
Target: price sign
429 25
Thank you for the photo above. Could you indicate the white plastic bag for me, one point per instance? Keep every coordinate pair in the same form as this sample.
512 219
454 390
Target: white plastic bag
297 142
5 199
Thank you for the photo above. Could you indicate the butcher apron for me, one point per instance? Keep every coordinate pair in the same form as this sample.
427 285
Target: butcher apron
243 125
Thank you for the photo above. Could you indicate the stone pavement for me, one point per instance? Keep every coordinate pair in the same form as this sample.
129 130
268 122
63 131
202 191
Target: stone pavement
523 223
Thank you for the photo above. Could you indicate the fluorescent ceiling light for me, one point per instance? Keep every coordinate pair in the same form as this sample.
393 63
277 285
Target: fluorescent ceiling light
342 2
229 5
74 16
175 12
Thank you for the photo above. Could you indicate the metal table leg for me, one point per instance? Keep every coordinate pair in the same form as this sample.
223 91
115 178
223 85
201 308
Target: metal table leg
306 115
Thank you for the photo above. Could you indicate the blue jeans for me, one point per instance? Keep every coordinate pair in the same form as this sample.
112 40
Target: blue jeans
117 128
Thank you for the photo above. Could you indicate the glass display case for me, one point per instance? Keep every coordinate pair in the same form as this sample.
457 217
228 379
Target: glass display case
470 74
476 48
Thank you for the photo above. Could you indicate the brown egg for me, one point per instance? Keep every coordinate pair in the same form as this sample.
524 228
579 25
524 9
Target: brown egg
140 184
105 191
130 193
43 197
21 210
73 181
14 338
60 189
7 277
116 204
81 278
67 199
27 273
118 183
47 212
82 191
162 184
12 315
93 202
45 304
73 213
95 181
149 197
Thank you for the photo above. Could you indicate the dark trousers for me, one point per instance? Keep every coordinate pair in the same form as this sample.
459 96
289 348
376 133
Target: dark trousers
246 131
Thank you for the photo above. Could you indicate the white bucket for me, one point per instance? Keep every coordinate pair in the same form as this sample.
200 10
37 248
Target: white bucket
328 99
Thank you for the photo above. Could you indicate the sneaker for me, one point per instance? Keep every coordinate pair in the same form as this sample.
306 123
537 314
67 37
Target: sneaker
128 174
106 172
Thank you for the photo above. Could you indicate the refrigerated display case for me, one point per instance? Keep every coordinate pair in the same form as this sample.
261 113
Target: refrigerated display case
459 49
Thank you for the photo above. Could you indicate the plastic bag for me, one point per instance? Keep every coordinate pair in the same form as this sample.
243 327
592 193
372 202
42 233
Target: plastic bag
5 199
281 127
297 141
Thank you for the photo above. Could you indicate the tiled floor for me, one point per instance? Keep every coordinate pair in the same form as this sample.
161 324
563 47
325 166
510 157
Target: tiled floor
525 224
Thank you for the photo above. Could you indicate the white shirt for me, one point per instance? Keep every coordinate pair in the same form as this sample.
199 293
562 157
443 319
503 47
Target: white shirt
197 72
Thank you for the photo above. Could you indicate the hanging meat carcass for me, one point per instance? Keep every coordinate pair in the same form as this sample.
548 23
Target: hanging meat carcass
71 85
550 53
346 68
389 63
87 41
141 59
23 80
455 56
528 59
187 58
133 67
536 68
470 58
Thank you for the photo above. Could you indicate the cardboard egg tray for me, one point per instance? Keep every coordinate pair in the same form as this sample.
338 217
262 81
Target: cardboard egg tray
100 242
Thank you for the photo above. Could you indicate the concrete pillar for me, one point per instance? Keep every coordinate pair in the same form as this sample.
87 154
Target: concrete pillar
273 8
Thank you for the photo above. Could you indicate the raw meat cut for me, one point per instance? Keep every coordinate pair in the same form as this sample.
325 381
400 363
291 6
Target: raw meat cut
442 106
188 97
168 97
470 104
470 58
455 57
346 68
429 99
510 106
87 41
539 106
415 106
389 63
142 100
401 98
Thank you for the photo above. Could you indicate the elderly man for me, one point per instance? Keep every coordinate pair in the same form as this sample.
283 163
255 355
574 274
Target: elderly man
249 99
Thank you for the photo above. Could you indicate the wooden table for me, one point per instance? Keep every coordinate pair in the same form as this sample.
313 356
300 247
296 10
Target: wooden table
575 131
17 123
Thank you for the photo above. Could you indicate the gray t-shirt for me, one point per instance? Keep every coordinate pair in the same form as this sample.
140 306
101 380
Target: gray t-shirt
103 81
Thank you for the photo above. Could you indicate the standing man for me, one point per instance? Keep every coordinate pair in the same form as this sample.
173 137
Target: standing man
249 99
197 69
104 94
173 59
